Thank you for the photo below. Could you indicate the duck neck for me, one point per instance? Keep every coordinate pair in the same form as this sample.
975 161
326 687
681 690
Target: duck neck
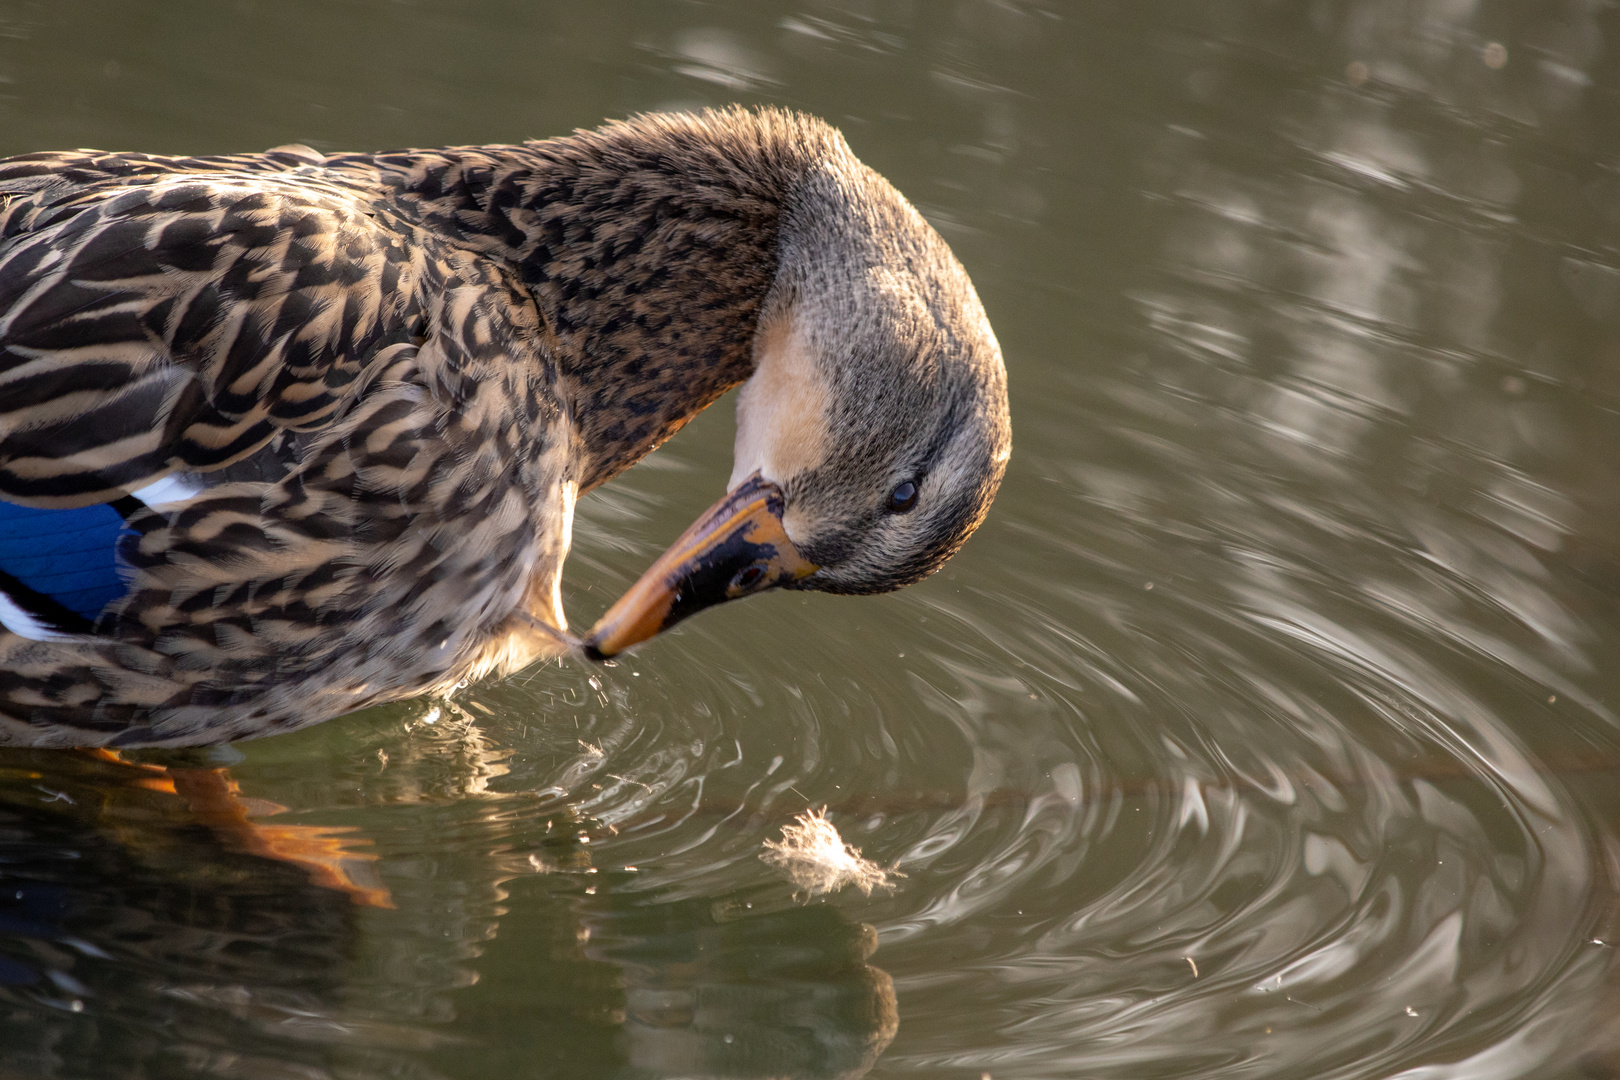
649 248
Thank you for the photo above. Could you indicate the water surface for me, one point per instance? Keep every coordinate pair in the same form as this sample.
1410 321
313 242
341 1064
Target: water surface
1267 729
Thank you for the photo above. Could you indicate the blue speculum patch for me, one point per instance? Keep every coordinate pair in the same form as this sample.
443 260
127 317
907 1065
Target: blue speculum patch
67 555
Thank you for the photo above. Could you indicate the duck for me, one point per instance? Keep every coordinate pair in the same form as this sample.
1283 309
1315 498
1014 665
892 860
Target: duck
288 434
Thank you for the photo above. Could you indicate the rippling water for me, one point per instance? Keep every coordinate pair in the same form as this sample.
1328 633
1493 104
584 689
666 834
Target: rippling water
1267 729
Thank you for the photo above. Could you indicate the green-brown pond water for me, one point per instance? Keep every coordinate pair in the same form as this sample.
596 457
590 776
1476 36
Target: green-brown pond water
1269 728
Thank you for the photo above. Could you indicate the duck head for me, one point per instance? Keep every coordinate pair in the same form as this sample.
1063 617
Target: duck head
873 432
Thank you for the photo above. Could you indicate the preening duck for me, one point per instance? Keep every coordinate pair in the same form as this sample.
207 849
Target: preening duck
288 434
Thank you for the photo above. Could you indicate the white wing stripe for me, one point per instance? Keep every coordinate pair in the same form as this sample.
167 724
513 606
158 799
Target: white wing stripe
21 623
171 489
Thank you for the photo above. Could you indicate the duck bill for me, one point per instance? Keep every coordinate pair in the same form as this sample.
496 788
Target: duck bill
737 548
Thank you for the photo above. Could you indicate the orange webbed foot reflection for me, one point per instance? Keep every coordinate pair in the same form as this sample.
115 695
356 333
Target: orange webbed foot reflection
324 852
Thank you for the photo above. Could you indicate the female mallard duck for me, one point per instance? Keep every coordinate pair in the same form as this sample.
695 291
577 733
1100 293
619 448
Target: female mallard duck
283 435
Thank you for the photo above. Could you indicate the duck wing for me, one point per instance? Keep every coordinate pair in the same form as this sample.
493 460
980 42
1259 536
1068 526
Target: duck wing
372 449
410 530
177 314
387 560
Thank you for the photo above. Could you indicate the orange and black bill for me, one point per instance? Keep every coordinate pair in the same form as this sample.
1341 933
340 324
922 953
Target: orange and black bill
737 548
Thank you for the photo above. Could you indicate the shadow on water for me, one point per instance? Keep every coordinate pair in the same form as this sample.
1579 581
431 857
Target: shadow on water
711 991
713 988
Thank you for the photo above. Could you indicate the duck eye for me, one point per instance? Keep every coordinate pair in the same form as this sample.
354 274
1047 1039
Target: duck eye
903 498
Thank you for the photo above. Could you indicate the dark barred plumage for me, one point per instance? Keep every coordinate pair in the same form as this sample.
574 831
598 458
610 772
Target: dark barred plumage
382 379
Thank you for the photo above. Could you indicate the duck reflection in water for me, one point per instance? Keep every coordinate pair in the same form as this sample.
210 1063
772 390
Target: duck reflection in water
136 939
142 932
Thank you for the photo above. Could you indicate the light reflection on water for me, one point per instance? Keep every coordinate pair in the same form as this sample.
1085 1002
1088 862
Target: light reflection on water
1267 729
